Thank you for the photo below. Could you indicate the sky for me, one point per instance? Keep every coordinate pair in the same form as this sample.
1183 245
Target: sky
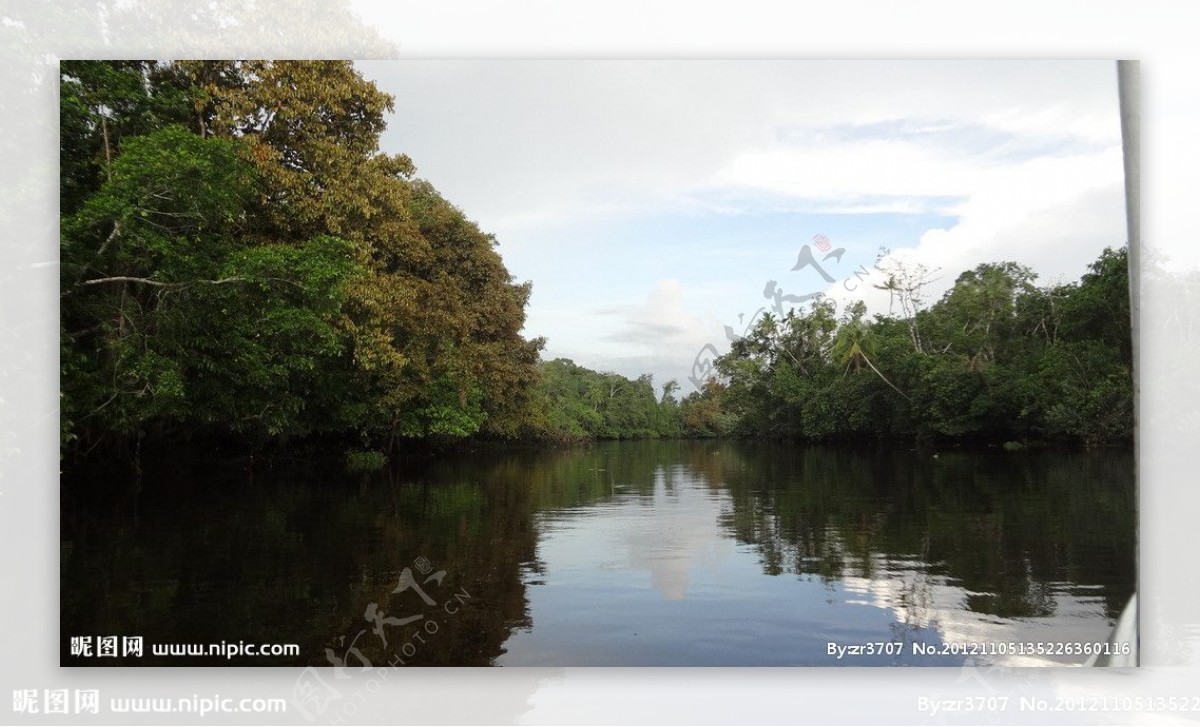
659 206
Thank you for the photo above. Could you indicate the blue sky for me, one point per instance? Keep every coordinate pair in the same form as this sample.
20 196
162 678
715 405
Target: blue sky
650 202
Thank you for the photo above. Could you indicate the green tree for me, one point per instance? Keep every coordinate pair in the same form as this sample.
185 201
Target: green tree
670 417
995 359
239 255
171 321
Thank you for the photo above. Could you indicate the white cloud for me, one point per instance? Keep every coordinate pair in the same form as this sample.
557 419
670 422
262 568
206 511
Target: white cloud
522 144
657 334
849 170
1054 216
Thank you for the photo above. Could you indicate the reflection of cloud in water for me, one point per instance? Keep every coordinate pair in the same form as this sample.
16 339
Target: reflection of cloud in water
671 541
922 600
633 578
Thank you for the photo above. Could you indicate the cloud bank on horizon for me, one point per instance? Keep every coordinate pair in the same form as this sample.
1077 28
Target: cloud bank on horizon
655 203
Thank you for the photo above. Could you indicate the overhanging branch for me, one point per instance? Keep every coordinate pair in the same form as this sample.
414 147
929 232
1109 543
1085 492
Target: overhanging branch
159 283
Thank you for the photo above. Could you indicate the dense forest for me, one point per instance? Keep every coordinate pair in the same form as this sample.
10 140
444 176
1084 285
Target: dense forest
240 260
241 263
995 360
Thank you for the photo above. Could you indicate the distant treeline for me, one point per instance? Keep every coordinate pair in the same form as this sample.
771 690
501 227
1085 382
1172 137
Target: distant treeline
997 359
240 262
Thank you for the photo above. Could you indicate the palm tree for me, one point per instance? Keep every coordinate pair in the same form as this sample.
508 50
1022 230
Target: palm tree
850 349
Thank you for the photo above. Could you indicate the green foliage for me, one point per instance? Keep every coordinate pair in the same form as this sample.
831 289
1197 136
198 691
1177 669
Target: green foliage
365 461
704 413
239 258
101 104
996 358
576 403
443 410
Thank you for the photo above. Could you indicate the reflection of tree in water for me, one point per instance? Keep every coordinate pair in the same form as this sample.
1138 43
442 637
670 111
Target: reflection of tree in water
472 521
1010 530
474 517
296 555
203 552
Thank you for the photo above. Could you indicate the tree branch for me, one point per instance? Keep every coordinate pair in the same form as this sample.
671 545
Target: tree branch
116 230
159 283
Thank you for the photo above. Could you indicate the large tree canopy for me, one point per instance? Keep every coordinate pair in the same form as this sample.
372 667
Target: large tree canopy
239 257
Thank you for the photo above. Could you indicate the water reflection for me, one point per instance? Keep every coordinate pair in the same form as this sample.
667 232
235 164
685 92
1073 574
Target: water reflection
620 553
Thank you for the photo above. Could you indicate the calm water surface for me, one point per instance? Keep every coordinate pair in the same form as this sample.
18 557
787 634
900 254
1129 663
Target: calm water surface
643 553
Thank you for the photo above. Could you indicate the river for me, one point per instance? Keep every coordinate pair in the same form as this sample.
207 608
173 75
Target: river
669 553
